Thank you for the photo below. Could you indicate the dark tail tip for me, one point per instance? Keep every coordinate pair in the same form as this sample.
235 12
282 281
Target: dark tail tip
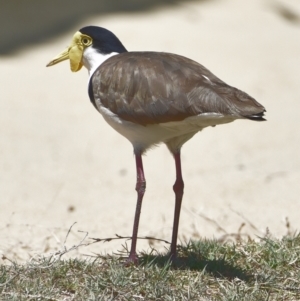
257 117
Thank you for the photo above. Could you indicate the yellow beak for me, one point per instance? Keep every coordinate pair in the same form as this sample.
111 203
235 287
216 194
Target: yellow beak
73 53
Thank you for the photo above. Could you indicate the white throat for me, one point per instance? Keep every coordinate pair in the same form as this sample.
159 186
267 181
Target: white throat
92 59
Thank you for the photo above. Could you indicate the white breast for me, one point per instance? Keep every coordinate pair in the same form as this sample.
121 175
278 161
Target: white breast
92 59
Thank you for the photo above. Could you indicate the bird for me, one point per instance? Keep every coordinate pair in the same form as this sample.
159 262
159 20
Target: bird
152 98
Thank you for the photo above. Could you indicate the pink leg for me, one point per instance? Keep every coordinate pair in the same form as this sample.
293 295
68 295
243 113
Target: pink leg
178 189
140 188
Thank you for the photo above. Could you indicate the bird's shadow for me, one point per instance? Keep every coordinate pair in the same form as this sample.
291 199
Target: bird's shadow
195 261
216 268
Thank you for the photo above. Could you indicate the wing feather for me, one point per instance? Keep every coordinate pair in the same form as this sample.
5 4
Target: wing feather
153 87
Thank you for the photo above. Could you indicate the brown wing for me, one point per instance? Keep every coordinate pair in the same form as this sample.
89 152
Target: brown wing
153 87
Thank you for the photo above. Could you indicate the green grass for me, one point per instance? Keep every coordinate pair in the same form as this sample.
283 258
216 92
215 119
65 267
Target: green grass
205 270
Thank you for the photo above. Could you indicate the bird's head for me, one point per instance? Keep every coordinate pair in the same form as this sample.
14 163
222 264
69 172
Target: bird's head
90 46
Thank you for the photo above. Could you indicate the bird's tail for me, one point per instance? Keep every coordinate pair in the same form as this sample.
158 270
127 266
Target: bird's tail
257 116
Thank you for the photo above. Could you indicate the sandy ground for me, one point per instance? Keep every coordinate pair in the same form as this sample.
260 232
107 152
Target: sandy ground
61 163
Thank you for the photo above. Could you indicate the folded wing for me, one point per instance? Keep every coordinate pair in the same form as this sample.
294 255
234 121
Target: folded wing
152 87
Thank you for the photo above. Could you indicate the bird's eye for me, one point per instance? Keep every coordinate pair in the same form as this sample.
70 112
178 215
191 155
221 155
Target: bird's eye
85 41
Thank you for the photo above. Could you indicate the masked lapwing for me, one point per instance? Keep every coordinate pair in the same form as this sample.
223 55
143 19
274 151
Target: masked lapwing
152 98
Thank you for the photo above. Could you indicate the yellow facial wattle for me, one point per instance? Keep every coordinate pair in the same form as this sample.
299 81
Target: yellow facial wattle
74 52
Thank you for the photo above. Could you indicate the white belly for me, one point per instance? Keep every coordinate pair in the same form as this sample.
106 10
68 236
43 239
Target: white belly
143 137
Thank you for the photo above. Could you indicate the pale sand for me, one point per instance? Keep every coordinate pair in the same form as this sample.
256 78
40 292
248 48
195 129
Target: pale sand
57 151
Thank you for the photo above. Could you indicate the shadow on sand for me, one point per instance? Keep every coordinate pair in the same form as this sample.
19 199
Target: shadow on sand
30 22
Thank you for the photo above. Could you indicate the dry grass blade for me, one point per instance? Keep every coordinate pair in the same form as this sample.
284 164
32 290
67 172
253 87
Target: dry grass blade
205 270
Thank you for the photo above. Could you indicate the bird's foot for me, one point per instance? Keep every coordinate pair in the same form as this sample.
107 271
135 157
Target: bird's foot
132 260
173 258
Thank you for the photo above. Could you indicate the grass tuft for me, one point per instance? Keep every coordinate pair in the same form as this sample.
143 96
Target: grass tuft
204 270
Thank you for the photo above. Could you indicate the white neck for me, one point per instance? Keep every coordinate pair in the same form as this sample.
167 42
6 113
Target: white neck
92 59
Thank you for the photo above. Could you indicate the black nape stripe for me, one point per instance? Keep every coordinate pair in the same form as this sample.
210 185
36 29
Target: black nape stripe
91 92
